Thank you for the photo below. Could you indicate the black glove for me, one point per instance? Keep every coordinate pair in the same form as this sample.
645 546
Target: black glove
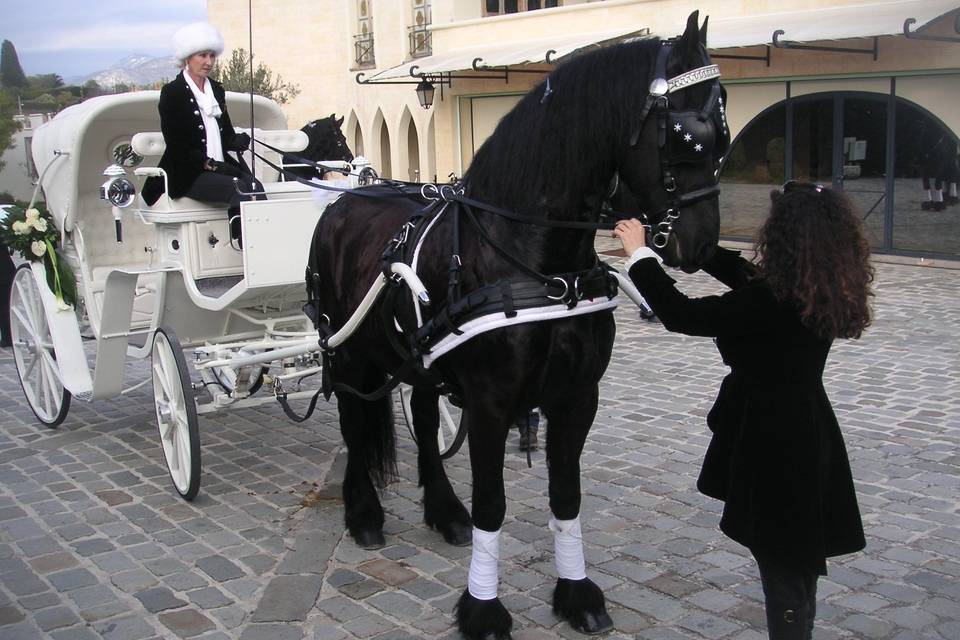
241 142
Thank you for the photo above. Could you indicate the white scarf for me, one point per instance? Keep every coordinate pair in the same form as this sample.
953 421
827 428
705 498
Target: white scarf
210 111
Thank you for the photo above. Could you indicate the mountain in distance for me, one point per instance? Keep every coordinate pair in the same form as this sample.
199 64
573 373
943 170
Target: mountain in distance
133 70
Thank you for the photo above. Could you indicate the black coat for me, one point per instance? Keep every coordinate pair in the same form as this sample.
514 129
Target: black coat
776 457
186 138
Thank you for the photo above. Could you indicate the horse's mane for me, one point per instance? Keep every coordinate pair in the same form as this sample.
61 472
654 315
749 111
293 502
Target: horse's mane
548 155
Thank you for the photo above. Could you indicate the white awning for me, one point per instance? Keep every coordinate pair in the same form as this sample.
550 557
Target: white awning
501 55
826 23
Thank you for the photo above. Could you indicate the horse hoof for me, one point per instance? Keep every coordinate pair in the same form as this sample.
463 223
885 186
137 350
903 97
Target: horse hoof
369 539
482 619
582 605
457 534
592 624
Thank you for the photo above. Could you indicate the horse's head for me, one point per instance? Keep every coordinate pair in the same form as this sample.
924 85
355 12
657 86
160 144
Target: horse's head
326 140
672 153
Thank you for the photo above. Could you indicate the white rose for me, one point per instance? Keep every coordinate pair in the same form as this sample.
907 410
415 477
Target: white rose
32 214
20 227
38 248
39 224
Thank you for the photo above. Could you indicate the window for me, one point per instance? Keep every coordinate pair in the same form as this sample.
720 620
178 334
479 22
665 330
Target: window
500 7
363 40
421 43
905 189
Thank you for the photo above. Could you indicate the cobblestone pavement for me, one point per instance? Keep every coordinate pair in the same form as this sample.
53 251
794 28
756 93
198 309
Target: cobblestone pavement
94 543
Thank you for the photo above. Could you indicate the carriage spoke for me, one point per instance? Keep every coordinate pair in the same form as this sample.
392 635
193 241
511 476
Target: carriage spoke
183 433
174 439
31 306
28 366
47 387
24 321
47 359
166 428
159 375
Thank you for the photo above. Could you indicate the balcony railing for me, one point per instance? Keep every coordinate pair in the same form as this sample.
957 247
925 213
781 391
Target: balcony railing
363 50
421 40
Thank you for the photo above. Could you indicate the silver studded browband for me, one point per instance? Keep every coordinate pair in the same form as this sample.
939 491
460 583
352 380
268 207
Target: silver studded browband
694 76
660 87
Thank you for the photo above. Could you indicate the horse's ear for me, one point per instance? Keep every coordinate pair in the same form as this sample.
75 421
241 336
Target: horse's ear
690 40
703 32
339 121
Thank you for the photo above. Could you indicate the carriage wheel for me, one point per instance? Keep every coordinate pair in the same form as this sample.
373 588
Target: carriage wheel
33 351
449 436
176 413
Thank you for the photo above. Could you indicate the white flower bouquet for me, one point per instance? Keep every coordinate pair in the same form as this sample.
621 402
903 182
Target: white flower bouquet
33 233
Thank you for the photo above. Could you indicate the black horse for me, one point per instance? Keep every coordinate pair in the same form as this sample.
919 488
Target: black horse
550 161
326 142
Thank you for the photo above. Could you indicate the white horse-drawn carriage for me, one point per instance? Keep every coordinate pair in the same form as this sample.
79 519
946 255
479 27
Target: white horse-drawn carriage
218 321
166 281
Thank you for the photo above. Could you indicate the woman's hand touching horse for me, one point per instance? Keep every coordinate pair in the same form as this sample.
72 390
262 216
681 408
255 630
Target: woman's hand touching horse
632 234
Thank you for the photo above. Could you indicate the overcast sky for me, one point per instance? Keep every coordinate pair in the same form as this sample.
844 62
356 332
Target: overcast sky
79 37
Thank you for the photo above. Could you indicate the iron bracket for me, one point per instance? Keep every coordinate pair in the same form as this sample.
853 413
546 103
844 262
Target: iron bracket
790 44
913 35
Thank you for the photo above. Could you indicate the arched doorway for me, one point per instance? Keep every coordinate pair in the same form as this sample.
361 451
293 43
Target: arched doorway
413 153
381 137
354 134
873 146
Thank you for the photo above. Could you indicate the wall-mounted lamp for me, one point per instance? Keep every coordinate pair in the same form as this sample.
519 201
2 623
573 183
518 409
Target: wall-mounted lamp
425 91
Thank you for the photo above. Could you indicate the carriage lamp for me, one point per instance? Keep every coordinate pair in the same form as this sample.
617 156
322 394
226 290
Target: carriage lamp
119 192
425 93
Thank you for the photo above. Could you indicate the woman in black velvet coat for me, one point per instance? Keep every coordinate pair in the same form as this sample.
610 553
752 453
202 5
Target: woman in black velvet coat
197 129
777 458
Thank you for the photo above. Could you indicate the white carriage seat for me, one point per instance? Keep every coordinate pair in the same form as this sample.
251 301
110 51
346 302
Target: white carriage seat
151 145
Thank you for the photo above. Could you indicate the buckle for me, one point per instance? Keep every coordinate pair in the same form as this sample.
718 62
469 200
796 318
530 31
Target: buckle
566 290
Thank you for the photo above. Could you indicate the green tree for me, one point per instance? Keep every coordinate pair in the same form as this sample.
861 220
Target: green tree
10 69
8 126
234 74
91 88
45 81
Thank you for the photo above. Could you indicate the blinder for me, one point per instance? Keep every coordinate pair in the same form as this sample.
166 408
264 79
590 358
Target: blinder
688 136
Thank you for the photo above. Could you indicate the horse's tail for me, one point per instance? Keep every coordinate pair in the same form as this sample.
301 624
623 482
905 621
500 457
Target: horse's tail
379 440
366 425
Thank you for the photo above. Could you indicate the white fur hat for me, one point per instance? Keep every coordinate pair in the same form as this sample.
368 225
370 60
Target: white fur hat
196 37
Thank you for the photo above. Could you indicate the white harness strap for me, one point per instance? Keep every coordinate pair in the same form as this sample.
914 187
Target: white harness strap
416 257
482 579
497 320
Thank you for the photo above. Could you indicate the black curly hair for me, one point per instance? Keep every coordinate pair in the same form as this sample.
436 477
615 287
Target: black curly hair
813 253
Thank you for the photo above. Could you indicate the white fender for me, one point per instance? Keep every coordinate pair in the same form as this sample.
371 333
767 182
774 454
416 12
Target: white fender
72 364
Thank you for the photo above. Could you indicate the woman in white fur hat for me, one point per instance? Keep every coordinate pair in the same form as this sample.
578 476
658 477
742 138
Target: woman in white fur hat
197 129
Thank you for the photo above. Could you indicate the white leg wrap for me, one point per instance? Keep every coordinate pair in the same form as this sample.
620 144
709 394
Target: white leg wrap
568 548
938 195
482 579
953 189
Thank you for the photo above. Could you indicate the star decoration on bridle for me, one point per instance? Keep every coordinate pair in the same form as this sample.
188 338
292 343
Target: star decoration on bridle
677 127
687 137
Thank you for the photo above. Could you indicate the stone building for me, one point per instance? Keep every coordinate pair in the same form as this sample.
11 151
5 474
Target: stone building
858 93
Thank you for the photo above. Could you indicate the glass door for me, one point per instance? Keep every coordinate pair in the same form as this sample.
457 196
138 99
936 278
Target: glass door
813 140
861 160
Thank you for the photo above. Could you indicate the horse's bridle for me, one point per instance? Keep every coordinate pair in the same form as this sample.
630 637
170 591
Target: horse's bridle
682 136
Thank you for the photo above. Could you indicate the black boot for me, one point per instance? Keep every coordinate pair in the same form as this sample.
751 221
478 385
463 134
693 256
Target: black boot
528 426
